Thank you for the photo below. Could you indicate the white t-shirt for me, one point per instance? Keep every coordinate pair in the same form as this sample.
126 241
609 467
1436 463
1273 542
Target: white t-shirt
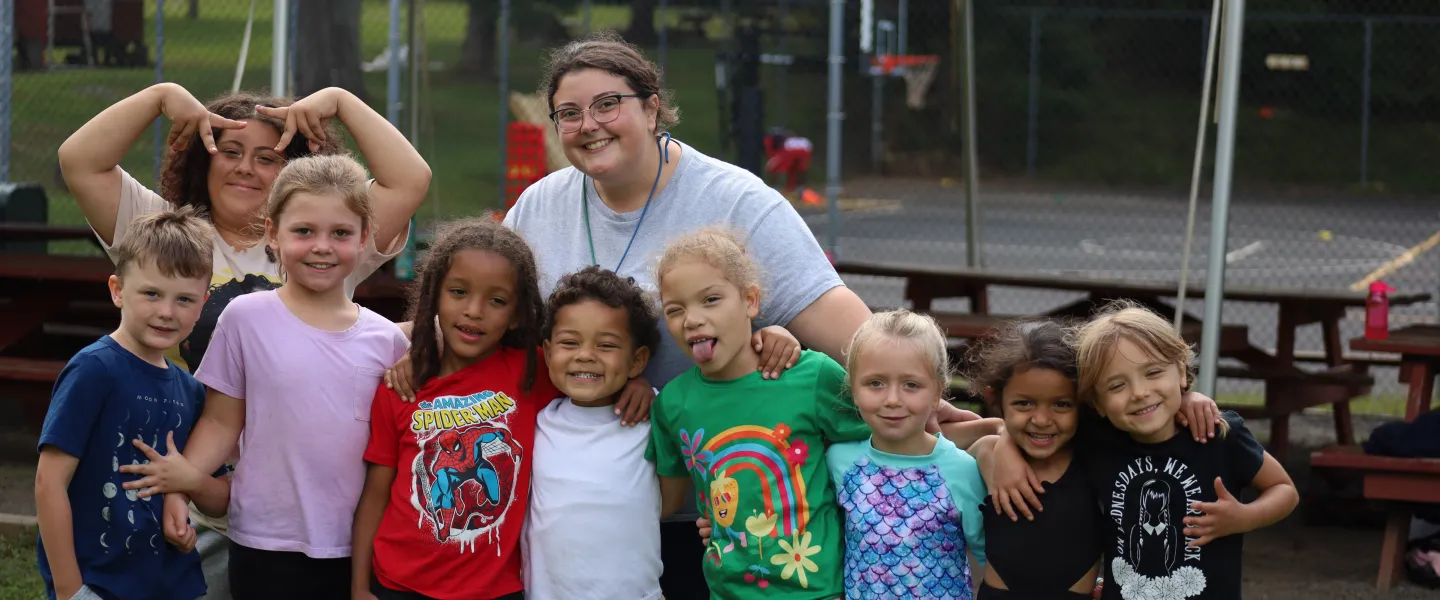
593 530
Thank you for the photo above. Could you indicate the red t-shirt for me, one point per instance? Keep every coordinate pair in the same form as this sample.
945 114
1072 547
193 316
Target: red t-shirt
462 455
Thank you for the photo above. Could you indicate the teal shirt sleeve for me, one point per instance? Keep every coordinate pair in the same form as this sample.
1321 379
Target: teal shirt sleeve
962 476
839 419
840 457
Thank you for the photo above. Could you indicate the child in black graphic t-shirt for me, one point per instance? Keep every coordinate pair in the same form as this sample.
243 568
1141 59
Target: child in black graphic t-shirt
1170 500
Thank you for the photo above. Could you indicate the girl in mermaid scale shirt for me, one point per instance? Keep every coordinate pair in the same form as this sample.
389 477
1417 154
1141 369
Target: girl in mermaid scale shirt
911 499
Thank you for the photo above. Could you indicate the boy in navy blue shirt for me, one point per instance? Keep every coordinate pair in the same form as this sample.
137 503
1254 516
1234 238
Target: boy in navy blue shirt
98 539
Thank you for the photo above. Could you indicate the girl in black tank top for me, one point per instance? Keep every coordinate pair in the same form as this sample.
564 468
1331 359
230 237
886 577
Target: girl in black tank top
1028 373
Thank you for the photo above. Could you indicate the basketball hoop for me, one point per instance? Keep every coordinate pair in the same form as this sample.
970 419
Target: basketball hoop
917 69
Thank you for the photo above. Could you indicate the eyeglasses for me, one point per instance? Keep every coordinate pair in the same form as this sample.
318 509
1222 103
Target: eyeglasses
603 110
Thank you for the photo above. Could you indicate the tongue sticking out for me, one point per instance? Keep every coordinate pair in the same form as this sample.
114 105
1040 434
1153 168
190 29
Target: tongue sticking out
704 351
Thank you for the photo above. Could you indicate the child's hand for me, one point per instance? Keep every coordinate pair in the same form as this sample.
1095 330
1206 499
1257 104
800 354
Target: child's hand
359 594
397 378
703 525
778 348
175 522
948 413
635 399
163 474
1013 485
1200 414
1225 516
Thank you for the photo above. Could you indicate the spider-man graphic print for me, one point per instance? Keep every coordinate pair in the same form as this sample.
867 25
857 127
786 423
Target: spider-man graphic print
461 455
465 474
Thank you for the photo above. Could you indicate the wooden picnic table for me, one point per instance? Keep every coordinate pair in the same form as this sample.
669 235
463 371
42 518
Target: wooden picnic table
1288 388
1419 350
1397 481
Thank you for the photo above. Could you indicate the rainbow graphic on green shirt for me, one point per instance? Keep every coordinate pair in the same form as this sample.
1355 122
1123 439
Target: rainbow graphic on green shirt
770 455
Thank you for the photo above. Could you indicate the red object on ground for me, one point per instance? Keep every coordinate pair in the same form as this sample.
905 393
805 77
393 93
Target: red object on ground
524 159
1377 311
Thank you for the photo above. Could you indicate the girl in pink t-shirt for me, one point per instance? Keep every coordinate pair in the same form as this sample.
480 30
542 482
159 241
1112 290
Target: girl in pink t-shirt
291 374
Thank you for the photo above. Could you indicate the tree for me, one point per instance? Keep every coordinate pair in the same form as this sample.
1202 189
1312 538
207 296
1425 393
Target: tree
477 51
327 53
642 23
194 12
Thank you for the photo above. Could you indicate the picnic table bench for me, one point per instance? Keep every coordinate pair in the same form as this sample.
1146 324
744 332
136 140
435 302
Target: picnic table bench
1397 481
51 306
1288 388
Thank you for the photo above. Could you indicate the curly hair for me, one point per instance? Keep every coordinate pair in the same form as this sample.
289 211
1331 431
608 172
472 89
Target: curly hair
612 290
184 177
484 234
720 247
1020 345
607 51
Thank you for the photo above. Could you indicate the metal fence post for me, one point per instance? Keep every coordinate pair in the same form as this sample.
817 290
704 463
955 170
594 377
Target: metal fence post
834 115
159 150
585 10
503 109
664 36
973 255
392 69
1032 117
7 41
781 69
1365 109
280 34
1228 81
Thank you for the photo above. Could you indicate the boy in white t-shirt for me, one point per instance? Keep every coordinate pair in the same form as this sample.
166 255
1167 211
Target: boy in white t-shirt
593 529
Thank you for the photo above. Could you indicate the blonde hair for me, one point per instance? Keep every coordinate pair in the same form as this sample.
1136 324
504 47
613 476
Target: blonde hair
337 174
179 242
1129 320
900 324
720 248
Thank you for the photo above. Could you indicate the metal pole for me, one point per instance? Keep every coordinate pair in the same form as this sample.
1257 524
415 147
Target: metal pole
7 41
413 103
664 36
392 69
159 146
1365 109
834 115
877 123
585 10
503 109
1234 32
784 66
973 256
291 32
279 54
1032 118
903 47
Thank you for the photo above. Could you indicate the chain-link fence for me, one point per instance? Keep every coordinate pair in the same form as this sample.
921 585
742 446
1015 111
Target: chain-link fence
1086 117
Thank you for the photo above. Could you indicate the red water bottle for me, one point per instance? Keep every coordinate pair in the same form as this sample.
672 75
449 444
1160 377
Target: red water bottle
1377 311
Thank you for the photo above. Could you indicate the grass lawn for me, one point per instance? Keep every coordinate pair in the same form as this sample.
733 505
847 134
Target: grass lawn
19 577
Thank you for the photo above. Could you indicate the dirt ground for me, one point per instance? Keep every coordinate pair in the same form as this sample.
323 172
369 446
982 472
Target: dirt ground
1328 549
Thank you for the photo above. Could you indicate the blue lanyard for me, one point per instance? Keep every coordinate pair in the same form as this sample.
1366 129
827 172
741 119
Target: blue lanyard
585 202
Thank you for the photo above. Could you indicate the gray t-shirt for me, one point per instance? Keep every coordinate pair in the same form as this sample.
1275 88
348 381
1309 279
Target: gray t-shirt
703 191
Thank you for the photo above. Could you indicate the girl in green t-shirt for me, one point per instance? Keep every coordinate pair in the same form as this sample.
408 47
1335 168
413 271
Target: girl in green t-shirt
753 447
